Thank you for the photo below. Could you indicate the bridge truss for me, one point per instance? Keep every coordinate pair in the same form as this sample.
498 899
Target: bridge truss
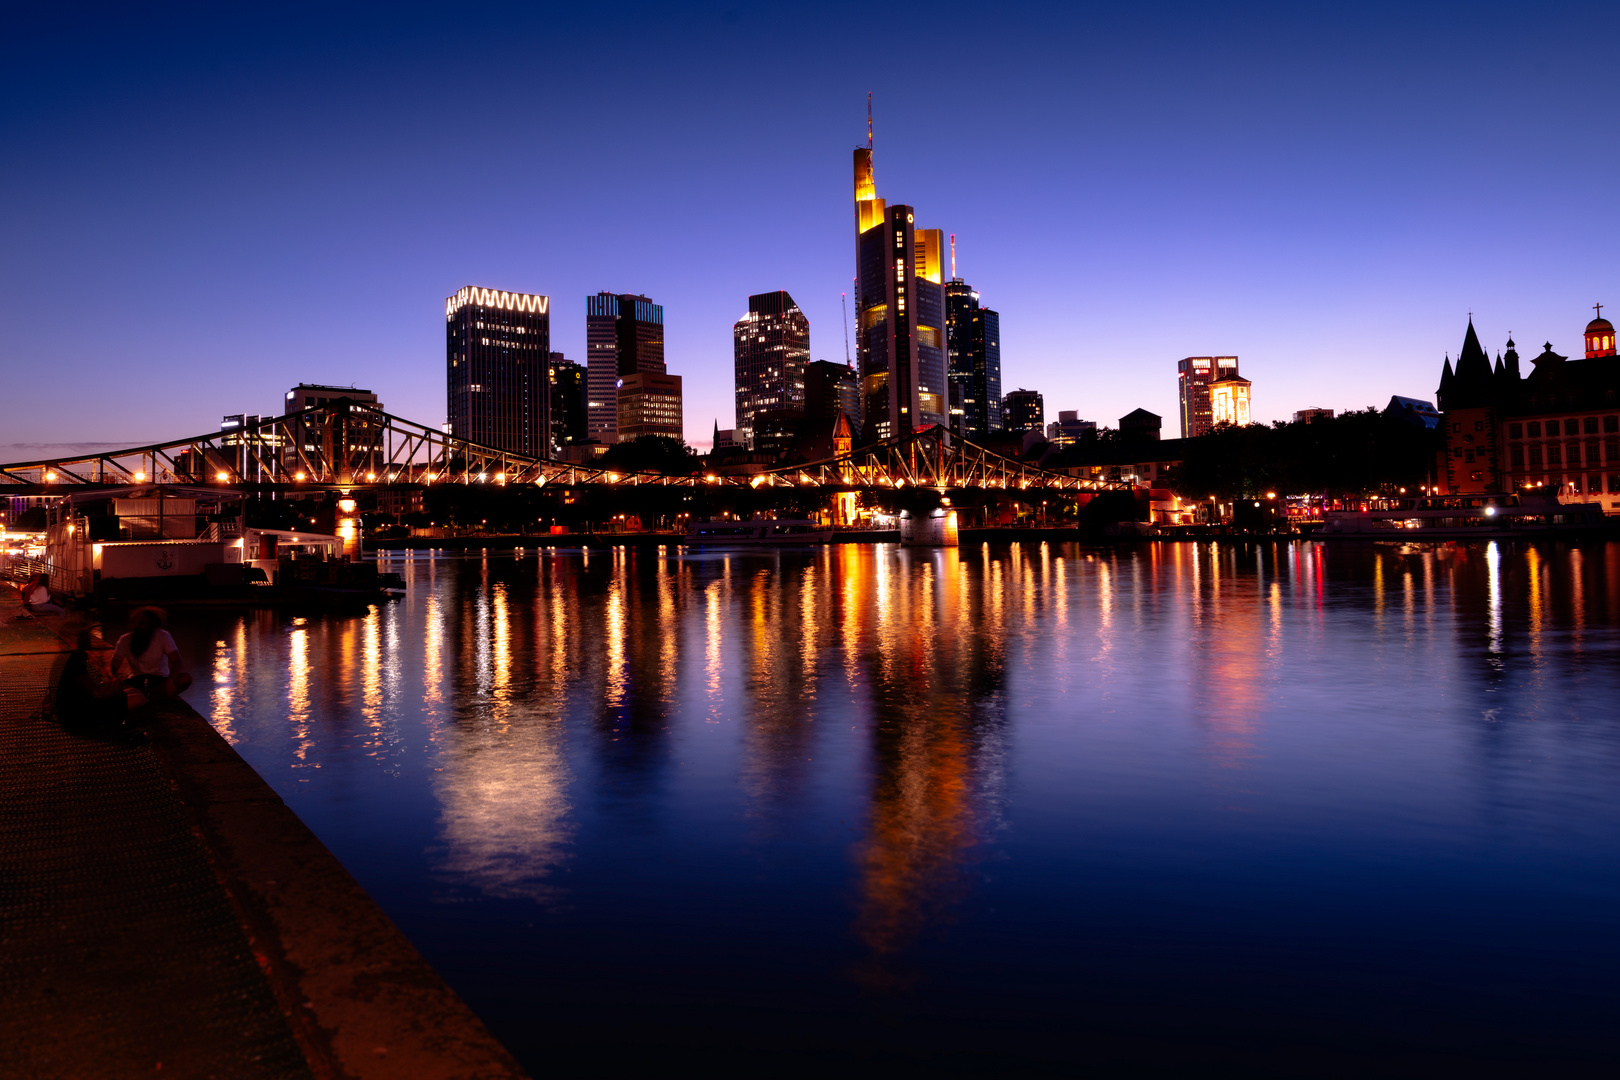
350 445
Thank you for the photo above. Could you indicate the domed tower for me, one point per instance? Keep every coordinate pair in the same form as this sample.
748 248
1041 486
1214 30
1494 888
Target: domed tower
1599 335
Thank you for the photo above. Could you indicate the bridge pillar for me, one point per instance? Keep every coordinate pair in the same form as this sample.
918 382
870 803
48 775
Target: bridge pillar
928 528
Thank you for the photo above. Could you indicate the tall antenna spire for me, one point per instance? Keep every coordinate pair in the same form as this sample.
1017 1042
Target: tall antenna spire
843 298
869 120
953 256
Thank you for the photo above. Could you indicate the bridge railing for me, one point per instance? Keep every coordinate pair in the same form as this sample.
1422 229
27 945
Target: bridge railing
350 444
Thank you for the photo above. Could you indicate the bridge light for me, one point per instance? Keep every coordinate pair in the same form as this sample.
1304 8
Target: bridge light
428 479
371 477
222 476
140 478
299 477
49 476
613 478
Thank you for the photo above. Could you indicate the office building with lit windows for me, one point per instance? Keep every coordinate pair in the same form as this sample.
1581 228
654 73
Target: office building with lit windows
568 402
900 313
1024 410
649 403
1195 375
498 357
973 360
304 442
770 348
624 335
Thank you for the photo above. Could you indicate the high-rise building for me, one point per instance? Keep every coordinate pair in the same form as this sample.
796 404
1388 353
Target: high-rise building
1068 428
568 402
624 335
830 388
1024 410
250 446
306 440
1194 376
771 346
973 352
649 403
497 360
900 306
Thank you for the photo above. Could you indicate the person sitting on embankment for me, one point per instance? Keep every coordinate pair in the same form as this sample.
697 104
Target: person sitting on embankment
151 657
37 599
80 701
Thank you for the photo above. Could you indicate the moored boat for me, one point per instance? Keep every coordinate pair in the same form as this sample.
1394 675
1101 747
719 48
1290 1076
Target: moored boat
776 531
1464 517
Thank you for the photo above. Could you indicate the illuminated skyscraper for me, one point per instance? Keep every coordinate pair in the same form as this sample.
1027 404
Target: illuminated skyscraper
568 398
900 305
498 352
973 357
1025 410
624 335
771 346
1194 377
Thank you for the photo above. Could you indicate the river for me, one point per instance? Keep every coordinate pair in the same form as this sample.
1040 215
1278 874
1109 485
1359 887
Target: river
1282 807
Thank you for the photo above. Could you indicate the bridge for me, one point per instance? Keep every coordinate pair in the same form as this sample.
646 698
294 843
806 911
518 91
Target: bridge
348 445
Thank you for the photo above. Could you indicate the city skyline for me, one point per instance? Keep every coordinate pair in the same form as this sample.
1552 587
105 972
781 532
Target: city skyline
1287 228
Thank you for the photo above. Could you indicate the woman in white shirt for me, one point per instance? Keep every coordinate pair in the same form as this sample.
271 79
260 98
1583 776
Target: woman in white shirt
36 597
150 655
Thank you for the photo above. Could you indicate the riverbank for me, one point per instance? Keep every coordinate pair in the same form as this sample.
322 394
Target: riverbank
998 535
170 914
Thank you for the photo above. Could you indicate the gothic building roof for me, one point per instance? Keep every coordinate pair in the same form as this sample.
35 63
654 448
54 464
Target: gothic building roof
1555 383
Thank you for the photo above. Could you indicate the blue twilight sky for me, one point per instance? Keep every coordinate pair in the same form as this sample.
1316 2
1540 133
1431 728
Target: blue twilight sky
203 205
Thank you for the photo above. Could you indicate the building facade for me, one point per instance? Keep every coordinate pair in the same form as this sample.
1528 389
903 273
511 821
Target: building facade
251 448
306 439
1229 401
830 389
497 360
568 402
1555 430
624 335
973 359
1194 377
1024 410
770 348
649 403
900 313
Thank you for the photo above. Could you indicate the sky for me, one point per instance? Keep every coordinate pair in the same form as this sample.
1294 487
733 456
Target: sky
202 206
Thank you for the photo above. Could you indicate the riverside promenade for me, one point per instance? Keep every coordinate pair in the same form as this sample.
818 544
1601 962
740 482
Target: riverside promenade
163 913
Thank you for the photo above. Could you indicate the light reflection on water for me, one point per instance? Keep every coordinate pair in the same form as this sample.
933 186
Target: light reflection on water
974 792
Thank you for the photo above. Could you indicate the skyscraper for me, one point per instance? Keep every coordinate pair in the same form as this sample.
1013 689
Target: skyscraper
830 388
1025 410
1194 376
305 441
973 353
568 401
771 346
497 356
624 335
900 306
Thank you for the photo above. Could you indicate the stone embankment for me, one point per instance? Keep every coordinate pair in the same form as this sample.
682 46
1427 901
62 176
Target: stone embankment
163 912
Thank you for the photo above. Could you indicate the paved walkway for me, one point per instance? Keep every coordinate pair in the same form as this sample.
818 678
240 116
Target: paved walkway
162 913
120 954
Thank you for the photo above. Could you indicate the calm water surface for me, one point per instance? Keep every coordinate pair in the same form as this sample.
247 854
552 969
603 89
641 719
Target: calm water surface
1302 808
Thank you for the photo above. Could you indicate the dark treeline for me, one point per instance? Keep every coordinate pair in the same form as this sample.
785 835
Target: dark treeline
1353 453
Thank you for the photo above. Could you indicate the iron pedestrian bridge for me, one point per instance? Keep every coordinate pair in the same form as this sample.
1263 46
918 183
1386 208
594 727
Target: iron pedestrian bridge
348 445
